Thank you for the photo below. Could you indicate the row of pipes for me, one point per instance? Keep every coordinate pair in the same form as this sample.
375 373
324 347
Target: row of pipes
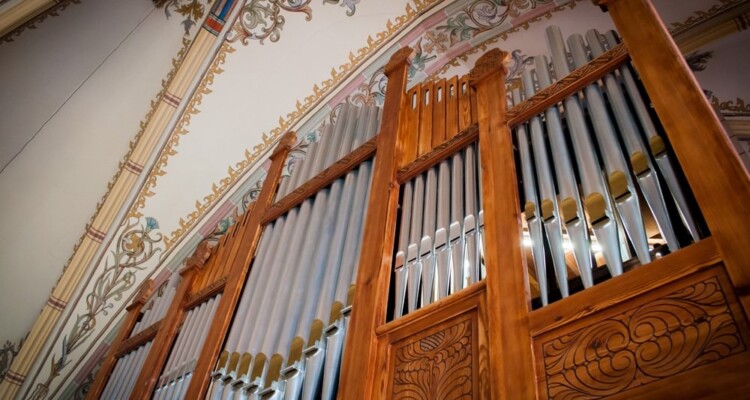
288 333
611 175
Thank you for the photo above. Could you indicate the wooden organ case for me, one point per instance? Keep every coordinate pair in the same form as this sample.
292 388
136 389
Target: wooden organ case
582 235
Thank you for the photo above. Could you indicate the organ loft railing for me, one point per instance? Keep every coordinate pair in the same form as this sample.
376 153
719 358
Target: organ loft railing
581 233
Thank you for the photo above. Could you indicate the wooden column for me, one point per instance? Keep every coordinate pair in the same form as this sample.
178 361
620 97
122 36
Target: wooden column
240 258
713 168
134 310
373 276
157 355
508 299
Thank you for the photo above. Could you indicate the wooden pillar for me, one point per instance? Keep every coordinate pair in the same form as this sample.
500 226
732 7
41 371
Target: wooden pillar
157 355
134 310
508 299
713 168
240 259
373 276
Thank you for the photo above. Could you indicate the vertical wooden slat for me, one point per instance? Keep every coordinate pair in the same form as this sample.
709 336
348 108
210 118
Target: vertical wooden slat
451 107
464 103
373 276
511 358
438 112
109 362
157 355
425 119
414 105
246 243
714 170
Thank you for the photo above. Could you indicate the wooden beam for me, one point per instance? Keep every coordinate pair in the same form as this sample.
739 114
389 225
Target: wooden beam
719 180
247 242
323 179
110 360
373 276
165 336
439 153
511 357
137 340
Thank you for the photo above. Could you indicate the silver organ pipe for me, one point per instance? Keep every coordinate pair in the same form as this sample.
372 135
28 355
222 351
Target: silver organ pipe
291 307
608 188
656 143
438 251
596 195
177 372
620 182
548 206
123 377
531 208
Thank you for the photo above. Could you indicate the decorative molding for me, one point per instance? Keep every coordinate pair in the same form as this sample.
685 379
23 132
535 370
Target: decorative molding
53 11
690 327
437 366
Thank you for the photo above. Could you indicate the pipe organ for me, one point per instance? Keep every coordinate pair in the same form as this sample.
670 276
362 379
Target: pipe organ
581 233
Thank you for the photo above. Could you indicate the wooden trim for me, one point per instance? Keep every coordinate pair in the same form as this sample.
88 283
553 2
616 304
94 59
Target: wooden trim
206 293
568 85
437 154
165 337
718 178
110 359
240 259
323 179
138 340
373 277
696 257
436 312
510 356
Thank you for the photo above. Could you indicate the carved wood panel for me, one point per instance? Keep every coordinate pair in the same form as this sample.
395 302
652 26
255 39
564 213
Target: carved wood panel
437 364
678 331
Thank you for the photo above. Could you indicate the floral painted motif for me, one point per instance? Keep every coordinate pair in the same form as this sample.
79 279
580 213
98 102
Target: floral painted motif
7 353
136 244
350 4
191 10
484 15
476 18
262 19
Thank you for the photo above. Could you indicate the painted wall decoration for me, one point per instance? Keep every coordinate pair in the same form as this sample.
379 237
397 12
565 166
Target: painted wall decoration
137 244
7 353
191 11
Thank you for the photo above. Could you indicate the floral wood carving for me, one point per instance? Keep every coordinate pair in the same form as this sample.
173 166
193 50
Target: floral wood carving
686 329
438 366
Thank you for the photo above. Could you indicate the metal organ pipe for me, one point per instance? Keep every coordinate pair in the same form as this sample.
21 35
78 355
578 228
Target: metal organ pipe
656 143
597 199
304 263
621 184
